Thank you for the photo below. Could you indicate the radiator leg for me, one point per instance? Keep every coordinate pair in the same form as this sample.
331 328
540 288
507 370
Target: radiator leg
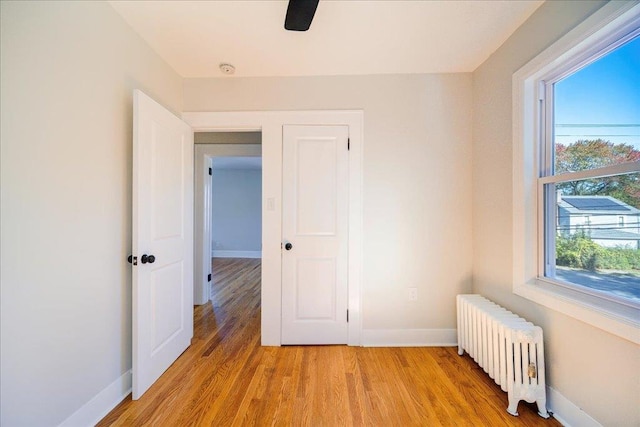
542 407
513 406
460 350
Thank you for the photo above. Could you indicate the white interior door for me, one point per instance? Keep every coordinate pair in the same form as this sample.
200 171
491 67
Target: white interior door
162 240
314 225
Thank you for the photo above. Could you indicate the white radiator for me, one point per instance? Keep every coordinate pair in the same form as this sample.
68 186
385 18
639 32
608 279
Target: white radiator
507 347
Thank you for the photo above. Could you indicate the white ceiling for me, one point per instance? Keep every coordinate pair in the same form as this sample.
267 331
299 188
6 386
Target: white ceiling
346 37
245 163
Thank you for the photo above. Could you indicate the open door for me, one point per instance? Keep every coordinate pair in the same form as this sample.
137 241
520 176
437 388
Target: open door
162 240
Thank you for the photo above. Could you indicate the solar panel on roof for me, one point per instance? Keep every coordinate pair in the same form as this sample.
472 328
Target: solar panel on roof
595 204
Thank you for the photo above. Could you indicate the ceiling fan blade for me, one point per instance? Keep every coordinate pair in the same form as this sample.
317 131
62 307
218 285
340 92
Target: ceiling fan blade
300 14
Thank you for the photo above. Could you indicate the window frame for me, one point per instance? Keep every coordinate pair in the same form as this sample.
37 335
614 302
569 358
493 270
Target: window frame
605 30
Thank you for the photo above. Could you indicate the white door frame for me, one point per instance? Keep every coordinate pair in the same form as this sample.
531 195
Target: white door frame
204 153
270 123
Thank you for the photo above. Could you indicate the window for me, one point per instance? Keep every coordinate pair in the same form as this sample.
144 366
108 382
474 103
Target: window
590 152
577 173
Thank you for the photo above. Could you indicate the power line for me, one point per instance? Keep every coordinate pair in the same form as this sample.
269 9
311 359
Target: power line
611 212
597 125
597 227
600 135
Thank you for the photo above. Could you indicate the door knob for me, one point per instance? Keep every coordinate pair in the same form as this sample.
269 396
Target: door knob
288 246
147 259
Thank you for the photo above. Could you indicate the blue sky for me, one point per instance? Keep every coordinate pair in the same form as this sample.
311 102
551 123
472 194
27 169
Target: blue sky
602 99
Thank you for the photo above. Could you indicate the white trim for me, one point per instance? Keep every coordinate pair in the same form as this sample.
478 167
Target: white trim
574 49
567 412
102 403
575 46
409 337
236 254
619 169
203 154
270 123
618 319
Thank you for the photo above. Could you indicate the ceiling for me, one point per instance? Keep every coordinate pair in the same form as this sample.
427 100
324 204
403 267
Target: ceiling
346 37
245 163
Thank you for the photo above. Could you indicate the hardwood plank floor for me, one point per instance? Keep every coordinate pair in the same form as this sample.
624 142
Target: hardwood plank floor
227 379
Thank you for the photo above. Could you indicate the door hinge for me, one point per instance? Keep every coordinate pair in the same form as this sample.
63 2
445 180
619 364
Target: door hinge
348 144
210 171
208 277
347 316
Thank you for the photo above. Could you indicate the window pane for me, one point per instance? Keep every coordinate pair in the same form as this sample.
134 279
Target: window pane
597 112
597 238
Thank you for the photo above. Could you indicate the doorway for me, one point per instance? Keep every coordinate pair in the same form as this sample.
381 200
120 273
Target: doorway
177 150
236 154
236 228
271 124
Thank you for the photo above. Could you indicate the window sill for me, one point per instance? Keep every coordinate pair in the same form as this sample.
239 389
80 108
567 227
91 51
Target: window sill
610 316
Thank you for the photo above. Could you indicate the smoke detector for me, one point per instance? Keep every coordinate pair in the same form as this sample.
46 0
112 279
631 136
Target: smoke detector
227 69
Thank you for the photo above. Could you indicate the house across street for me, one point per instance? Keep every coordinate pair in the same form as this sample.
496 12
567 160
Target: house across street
606 220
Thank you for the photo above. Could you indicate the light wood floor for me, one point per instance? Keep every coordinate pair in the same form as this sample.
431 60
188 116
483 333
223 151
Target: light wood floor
227 378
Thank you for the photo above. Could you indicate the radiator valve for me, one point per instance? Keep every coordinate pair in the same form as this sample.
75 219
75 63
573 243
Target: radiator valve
532 371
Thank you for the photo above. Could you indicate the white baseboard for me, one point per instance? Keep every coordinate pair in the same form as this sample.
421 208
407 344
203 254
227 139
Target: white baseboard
409 338
567 412
236 254
101 404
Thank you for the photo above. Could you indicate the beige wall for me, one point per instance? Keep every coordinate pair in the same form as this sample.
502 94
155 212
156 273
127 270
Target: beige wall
67 73
596 371
417 180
